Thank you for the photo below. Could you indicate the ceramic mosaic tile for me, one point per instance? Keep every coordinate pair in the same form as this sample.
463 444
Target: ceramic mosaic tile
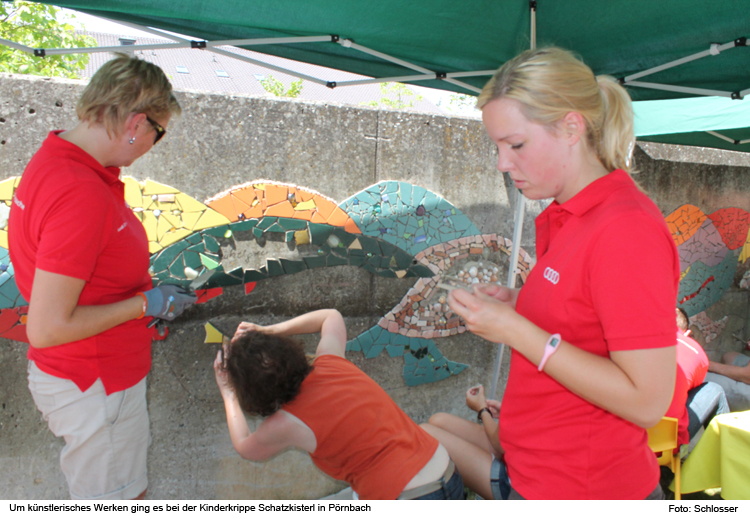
409 217
167 214
261 199
7 188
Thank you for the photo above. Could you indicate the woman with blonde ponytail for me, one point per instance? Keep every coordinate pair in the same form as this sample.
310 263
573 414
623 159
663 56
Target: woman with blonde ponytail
592 330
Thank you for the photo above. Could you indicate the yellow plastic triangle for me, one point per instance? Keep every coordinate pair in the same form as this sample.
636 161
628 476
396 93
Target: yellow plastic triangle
151 187
356 244
210 218
212 334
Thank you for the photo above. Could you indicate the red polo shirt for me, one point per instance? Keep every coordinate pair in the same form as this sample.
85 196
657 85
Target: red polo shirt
69 217
606 279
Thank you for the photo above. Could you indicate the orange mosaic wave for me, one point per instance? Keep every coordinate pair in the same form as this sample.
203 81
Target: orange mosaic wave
684 222
263 198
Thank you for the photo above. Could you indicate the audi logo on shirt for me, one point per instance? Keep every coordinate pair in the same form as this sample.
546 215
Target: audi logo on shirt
551 275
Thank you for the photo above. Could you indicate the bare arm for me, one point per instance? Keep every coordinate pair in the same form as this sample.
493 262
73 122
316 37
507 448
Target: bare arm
329 323
741 374
272 436
55 318
636 385
476 401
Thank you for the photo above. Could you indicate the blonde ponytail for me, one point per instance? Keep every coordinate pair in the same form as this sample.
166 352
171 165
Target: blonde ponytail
550 82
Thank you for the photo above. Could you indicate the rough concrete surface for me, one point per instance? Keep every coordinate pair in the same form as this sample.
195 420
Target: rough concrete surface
221 141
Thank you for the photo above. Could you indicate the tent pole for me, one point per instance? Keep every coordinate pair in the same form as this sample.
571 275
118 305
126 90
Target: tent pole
517 228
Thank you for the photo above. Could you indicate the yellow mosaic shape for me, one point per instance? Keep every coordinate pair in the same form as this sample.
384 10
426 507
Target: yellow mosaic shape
212 334
7 188
179 215
305 206
745 253
210 218
151 188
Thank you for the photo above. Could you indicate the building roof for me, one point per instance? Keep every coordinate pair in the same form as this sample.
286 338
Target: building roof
204 70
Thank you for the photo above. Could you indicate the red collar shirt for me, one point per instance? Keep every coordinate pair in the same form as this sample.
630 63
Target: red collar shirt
606 279
69 216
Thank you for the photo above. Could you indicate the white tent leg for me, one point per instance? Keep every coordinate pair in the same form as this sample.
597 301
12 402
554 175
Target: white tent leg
512 274
517 228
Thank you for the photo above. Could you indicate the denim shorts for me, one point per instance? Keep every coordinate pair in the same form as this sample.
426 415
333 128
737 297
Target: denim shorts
499 480
451 490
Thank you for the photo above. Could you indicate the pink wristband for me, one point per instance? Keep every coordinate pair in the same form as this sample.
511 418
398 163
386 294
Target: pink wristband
550 348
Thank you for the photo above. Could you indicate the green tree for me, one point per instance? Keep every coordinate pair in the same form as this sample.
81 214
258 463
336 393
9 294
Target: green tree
276 87
40 26
462 102
395 95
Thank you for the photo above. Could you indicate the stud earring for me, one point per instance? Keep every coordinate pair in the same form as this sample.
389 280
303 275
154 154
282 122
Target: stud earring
132 140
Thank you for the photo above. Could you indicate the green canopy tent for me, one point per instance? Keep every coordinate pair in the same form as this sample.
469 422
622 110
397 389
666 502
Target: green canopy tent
661 51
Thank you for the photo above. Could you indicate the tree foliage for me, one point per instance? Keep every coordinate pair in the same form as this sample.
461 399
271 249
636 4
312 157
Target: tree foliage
40 26
276 87
396 96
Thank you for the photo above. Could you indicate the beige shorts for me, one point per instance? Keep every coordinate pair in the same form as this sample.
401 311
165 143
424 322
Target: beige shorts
106 437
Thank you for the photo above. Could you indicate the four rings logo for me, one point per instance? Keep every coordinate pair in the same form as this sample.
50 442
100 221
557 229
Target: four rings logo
551 275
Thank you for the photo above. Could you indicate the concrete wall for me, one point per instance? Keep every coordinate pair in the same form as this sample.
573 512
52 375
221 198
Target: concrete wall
223 141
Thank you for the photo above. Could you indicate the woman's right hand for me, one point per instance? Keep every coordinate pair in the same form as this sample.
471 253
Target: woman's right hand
168 301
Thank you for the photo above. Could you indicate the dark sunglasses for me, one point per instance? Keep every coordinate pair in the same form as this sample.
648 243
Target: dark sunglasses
160 130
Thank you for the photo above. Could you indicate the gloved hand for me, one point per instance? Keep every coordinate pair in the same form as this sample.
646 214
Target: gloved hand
168 301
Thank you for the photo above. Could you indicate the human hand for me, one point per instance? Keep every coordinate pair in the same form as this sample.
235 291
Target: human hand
475 398
222 377
168 301
485 315
245 327
499 292
494 407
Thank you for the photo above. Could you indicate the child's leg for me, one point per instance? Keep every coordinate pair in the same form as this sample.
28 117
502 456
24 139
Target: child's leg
471 432
473 462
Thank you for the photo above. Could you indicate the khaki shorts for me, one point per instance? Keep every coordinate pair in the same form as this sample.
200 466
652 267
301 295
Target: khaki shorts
106 437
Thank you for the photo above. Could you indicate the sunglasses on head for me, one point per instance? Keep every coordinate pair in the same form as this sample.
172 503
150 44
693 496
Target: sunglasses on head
160 130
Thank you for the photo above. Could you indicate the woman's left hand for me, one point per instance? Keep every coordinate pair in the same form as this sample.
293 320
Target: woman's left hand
222 377
475 398
485 316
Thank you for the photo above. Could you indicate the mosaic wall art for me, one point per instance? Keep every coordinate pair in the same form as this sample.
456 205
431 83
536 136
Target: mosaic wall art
391 229
710 248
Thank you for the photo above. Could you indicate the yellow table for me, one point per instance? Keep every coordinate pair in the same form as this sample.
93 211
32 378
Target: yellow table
722 458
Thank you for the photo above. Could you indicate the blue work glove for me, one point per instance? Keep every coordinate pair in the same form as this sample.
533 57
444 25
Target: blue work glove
168 301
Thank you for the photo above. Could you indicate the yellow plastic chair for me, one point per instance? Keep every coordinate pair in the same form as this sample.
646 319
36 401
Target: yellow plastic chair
662 439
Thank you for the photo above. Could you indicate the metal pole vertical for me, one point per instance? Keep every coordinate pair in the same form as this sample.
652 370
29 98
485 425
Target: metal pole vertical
517 231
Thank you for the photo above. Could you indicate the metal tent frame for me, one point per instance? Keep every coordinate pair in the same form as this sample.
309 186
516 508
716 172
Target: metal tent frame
423 74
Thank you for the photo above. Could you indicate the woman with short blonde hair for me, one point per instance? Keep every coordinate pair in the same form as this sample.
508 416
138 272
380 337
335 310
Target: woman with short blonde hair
81 260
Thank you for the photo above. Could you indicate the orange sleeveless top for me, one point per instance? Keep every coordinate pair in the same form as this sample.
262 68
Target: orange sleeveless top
363 437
